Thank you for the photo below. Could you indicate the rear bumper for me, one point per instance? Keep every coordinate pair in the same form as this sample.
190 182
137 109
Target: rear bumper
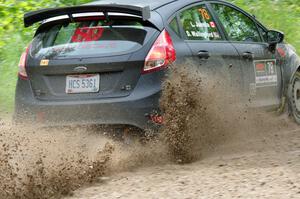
132 110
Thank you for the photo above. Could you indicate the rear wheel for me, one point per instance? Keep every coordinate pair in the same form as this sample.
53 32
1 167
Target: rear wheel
295 97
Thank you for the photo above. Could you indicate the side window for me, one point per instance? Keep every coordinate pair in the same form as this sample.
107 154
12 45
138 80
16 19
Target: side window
263 33
238 26
174 26
198 24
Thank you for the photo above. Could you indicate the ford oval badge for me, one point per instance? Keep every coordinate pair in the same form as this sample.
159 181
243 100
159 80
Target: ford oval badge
80 69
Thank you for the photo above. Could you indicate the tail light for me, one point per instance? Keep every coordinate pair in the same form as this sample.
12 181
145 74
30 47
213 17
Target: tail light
161 54
22 64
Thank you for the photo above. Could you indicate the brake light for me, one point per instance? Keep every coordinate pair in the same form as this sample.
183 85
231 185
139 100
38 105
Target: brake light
22 65
161 55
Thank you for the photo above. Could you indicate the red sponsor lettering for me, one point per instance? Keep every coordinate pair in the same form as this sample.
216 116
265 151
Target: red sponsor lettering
86 34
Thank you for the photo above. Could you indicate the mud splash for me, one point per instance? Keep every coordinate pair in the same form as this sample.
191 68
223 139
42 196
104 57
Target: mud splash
203 111
51 163
48 164
200 114
191 113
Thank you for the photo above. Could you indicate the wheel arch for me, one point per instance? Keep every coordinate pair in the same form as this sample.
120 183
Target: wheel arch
291 78
290 88
291 66
295 69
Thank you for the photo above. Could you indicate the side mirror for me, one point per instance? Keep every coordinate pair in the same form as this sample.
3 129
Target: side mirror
274 37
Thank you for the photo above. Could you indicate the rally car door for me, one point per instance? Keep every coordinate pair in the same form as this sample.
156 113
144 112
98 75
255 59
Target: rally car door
261 72
211 52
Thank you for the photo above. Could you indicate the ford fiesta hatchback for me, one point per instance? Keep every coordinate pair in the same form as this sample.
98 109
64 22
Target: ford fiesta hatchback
104 62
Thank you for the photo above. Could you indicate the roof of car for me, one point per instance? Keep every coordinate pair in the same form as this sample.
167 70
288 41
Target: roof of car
154 4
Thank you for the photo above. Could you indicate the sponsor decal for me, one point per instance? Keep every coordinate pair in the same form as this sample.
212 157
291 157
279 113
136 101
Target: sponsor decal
260 67
265 73
86 34
110 45
44 62
281 52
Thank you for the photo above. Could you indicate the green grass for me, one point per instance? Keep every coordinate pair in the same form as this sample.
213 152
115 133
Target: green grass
282 15
8 72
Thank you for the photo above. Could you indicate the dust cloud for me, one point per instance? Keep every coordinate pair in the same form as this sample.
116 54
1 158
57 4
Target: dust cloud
204 110
49 163
39 163
200 114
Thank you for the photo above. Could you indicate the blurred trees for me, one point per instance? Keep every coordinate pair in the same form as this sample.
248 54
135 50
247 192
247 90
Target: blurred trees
278 14
283 15
13 40
11 15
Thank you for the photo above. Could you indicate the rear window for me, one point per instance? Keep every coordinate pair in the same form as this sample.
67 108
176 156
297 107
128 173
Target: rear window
90 37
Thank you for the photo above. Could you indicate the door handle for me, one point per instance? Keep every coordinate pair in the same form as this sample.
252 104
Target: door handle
203 54
248 55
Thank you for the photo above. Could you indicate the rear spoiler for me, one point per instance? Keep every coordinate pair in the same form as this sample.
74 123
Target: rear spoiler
40 15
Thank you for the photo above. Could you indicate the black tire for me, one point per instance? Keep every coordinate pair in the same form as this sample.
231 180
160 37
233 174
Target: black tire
295 97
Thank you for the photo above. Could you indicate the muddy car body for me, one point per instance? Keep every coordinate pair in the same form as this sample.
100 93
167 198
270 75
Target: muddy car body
104 62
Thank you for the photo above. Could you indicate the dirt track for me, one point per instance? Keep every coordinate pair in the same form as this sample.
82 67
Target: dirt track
266 166
233 151
252 164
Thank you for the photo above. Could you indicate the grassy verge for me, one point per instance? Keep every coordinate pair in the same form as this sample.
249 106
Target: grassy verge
8 72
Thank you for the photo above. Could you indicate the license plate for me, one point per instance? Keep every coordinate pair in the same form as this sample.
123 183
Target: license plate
88 83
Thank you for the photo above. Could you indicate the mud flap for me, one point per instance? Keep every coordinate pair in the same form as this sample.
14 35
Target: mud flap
289 96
